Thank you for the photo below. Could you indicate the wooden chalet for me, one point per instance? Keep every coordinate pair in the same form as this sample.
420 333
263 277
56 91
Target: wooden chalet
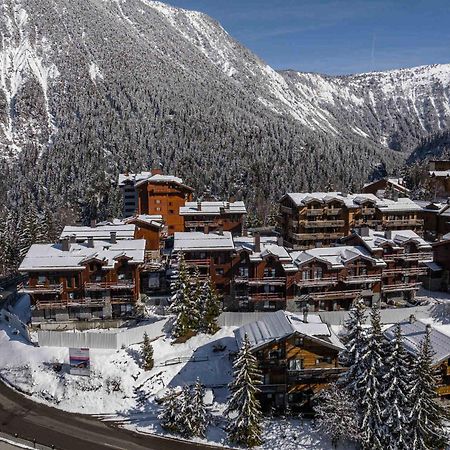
405 254
441 259
413 331
387 188
262 274
439 178
163 195
83 281
330 279
228 216
298 357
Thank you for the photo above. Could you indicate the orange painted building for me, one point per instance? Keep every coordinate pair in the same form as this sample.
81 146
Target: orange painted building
164 195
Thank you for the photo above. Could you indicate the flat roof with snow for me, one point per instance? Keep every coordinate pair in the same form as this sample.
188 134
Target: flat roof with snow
212 208
198 241
101 232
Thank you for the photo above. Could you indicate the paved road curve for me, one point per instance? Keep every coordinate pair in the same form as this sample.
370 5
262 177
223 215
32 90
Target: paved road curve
50 426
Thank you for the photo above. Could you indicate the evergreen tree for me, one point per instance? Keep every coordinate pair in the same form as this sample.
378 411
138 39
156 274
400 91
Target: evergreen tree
427 415
186 418
336 415
396 395
210 307
169 417
244 410
147 353
200 416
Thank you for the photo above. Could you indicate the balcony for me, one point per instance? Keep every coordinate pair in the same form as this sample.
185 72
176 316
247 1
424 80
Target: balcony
408 271
206 262
334 295
443 389
318 373
400 287
107 285
325 281
276 281
368 211
422 256
41 288
267 297
314 212
87 302
403 223
368 223
333 211
50 304
324 224
316 236
356 279
198 223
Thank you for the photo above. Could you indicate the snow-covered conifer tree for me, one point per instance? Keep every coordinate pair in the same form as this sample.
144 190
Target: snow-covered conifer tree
337 415
200 416
396 394
427 415
244 410
170 415
211 308
147 353
356 334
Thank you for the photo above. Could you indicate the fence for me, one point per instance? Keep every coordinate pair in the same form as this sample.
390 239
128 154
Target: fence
105 339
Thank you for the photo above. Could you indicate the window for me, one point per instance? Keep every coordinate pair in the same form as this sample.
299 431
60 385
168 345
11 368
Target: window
295 364
243 271
69 282
41 279
305 275
158 209
157 201
171 211
219 271
318 272
298 342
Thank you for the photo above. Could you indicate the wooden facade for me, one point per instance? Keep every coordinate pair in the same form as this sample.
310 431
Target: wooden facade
164 196
386 188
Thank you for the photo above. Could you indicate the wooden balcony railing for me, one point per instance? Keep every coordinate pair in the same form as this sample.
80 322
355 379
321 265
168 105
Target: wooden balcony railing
278 281
325 281
49 304
354 279
402 223
333 211
401 287
198 262
273 297
106 285
199 223
334 295
422 256
316 236
409 271
41 288
443 389
324 223
368 211
314 212
368 222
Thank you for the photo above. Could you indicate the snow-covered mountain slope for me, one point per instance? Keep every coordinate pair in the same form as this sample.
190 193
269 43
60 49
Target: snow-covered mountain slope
124 84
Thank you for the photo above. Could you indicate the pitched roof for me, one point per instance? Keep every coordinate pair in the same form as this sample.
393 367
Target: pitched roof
162 179
213 208
350 200
398 238
335 257
279 325
402 204
133 177
413 333
53 257
154 220
198 241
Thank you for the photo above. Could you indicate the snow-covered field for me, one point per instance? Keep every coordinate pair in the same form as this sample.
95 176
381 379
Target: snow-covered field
118 389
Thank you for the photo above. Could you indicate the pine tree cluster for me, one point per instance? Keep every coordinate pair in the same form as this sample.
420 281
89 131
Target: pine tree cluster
386 399
195 302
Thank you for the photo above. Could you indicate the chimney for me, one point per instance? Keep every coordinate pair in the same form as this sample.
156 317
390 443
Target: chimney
90 242
364 231
388 234
220 230
206 229
412 318
113 235
280 241
227 205
257 242
244 232
156 171
93 223
199 205
231 199
305 314
73 238
65 244
395 196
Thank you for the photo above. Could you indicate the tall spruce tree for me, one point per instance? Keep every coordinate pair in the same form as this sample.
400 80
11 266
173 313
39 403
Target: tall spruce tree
210 307
147 353
356 334
200 416
169 417
396 394
427 415
244 410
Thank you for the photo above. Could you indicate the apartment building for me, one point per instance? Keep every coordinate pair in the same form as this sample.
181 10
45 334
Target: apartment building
439 178
127 182
83 281
387 188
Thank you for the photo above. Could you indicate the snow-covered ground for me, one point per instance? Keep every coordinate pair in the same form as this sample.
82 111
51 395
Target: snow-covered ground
118 389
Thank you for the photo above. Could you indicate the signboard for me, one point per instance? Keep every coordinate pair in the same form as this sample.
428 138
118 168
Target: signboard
79 361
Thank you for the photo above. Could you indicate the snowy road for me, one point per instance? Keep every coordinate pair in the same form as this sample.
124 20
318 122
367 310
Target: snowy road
50 426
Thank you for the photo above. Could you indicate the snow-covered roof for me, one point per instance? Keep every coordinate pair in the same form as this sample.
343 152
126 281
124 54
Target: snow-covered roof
212 208
282 324
398 238
159 178
198 241
155 220
53 257
335 257
396 182
269 247
133 177
349 200
400 205
413 333
100 232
